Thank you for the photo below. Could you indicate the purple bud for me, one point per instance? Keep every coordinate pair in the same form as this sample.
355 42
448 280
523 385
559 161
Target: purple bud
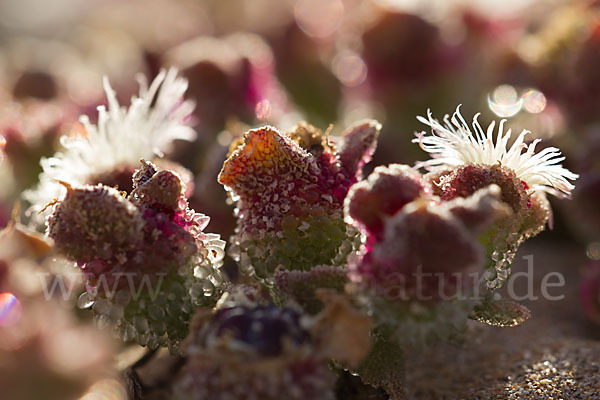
260 352
265 329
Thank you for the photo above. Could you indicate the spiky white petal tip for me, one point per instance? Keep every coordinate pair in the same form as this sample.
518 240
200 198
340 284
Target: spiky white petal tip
122 136
454 144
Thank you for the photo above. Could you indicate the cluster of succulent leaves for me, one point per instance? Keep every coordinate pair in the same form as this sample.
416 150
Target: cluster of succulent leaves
306 222
147 264
448 222
289 191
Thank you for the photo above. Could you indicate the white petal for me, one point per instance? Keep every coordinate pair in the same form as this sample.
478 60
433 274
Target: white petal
121 136
455 145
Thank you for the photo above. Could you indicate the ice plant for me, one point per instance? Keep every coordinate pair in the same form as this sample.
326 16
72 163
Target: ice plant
427 235
465 160
254 352
109 150
419 251
289 191
147 262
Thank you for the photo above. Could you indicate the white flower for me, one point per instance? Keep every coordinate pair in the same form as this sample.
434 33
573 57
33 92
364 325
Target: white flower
454 144
122 136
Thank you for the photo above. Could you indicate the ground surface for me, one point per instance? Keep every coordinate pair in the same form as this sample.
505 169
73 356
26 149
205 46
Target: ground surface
554 355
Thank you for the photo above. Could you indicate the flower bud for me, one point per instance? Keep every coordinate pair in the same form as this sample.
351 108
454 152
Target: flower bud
162 192
95 222
260 352
147 262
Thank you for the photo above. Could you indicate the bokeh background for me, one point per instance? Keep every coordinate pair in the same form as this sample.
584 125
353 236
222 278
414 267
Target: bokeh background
329 62
323 61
